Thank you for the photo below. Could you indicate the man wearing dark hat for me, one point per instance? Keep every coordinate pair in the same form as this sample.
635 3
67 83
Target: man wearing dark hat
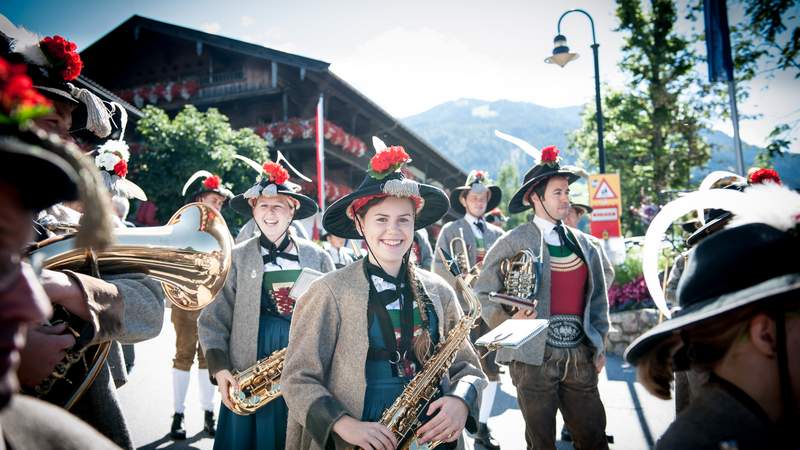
208 189
472 200
557 369
738 324
26 422
496 218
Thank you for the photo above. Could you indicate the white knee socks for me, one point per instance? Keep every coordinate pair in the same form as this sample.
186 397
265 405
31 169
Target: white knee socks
206 390
487 401
180 384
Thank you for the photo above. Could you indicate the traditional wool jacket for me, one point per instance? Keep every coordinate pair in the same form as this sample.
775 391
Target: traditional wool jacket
228 327
451 231
595 317
324 374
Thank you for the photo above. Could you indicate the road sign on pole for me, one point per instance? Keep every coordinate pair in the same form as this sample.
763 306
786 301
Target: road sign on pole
606 203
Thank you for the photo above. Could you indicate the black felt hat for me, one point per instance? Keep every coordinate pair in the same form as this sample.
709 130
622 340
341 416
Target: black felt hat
210 183
477 181
547 168
728 270
339 217
274 180
29 161
714 219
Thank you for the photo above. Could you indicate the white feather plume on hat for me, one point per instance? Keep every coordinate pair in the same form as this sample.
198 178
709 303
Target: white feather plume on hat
22 41
770 203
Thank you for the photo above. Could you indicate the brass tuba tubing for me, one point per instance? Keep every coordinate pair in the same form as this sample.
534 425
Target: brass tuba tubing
191 255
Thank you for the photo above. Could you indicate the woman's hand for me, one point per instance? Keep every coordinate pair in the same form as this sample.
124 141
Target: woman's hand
224 381
366 435
447 424
64 291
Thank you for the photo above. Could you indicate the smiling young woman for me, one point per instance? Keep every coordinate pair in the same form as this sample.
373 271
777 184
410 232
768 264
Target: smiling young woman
375 323
252 317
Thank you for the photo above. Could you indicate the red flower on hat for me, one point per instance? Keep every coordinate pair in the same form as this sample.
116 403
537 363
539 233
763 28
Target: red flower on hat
550 154
761 176
62 54
212 183
121 168
19 100
276 173
387 161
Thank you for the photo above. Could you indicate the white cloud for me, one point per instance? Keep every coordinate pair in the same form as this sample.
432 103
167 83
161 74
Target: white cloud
247 21
211 27
484 112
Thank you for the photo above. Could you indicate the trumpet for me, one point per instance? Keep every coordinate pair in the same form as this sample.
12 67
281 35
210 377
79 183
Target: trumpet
190 256
459 250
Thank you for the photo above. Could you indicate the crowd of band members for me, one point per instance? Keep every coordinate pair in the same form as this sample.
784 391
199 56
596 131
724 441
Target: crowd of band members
378 299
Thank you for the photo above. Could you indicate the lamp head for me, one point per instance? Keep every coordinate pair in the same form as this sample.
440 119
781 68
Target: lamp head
561 54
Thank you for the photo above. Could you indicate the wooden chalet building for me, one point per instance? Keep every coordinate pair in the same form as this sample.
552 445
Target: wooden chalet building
145 61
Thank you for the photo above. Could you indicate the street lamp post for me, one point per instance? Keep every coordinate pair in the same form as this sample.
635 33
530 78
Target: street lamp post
561 56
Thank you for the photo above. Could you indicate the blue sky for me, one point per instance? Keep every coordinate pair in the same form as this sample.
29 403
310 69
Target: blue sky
410 56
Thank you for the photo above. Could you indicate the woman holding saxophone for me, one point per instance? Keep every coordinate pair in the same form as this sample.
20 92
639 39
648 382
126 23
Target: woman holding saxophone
362 332
250 318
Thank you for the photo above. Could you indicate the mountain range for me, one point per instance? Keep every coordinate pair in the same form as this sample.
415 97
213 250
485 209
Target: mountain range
464 131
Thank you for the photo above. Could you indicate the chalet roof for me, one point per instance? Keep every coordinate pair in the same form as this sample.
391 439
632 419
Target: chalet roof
447 172
214 40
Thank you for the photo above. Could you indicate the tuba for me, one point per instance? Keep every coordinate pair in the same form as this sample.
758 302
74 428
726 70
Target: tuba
190 256
259 384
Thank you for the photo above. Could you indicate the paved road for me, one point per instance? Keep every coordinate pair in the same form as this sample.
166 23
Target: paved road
635 418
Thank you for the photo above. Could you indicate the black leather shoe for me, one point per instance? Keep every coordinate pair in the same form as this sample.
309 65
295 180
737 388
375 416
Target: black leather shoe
177 432
210 427
485 439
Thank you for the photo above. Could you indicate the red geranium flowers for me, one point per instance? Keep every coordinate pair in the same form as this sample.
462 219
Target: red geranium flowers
212 183
277 174
387 161
550 155
63 55
18 98
764 175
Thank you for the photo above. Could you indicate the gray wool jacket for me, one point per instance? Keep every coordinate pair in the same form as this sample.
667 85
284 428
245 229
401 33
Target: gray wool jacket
451 231
324 376
228 327
596 321
134 314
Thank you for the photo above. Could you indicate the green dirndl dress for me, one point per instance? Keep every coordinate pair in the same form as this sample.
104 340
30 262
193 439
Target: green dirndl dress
266 428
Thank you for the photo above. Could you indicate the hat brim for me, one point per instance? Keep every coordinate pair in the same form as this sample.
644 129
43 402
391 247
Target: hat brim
711 227
221 191
455 195
336 221
24 166
57 94
517 203
586 208
307 208
771 289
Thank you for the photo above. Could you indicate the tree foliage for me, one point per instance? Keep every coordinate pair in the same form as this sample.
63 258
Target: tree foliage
174 149
508 181
653 126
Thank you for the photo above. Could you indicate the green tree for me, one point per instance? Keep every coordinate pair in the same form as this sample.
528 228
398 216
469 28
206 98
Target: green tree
653 126
508 180
175 149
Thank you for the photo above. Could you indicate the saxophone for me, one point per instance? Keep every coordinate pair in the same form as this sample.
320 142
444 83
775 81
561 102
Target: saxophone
403 417
259 384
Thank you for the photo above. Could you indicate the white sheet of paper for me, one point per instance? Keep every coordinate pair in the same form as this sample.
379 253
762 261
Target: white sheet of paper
513 333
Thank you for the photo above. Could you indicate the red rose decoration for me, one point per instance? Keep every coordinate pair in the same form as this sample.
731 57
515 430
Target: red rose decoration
549 154
211 183
121 168
761 176
388 161
63 55
277 174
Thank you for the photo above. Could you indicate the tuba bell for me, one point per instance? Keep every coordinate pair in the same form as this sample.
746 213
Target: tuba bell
190 256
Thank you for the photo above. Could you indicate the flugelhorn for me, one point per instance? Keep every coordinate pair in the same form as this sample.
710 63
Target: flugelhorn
460 255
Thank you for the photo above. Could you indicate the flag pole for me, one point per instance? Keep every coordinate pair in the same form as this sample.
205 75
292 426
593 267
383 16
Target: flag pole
321 153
